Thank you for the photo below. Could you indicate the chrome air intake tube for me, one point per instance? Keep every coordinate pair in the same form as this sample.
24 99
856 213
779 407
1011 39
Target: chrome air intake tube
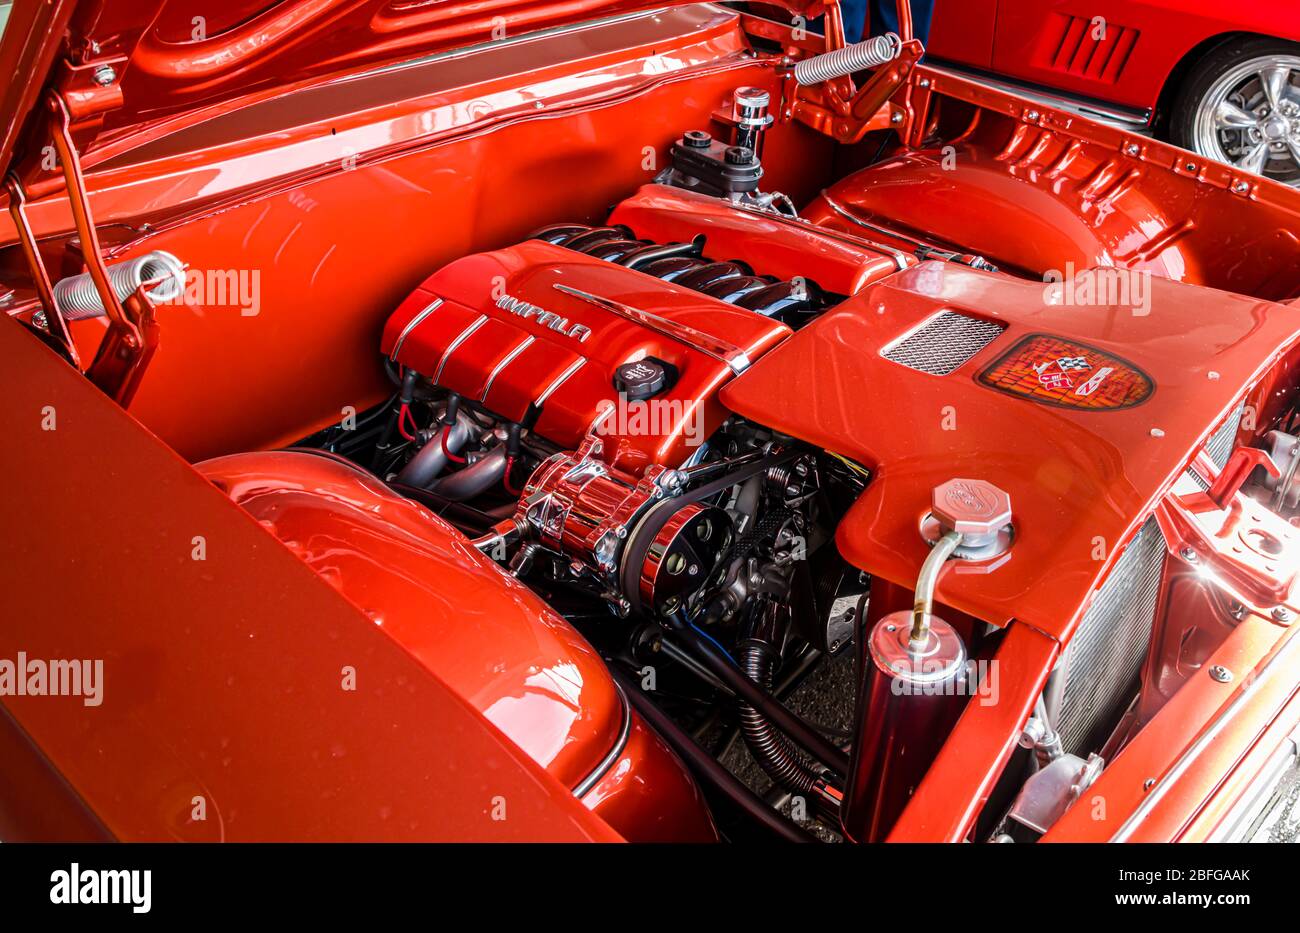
77 298
869 53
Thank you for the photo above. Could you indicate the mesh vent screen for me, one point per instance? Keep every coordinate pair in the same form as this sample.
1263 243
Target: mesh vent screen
943 343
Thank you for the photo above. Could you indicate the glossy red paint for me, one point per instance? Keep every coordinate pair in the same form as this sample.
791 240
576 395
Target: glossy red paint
1119 51
649 795
488 637
290 224
28 47
268 177
771 244
223 678
425 586
468 328
176 55
949 799
1073 476
1042 196
1193 793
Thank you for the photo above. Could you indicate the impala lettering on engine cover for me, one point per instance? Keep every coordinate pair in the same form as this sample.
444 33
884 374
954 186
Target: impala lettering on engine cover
546 318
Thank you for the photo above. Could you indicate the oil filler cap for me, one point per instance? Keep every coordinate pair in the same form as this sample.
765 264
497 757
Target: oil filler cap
641 379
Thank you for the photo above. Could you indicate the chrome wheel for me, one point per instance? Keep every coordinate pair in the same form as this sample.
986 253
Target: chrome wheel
1250 117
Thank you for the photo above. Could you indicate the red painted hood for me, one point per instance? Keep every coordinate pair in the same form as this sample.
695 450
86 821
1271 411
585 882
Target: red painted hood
170 56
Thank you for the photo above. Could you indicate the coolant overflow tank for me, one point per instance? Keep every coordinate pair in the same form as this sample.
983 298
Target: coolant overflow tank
913 698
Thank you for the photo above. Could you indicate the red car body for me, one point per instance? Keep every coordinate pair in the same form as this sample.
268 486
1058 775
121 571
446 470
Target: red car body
1135 59
284 139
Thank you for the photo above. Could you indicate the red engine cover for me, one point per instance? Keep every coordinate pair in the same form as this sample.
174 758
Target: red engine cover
1084 414
539 326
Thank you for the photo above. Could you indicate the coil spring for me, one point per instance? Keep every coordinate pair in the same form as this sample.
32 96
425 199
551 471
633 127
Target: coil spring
685 264
869 53
77 298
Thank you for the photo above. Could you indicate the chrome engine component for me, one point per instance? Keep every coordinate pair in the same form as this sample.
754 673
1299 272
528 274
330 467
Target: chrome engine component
78 299
976 510
912 695
869 53
577 506
749 111
915 680
1051 790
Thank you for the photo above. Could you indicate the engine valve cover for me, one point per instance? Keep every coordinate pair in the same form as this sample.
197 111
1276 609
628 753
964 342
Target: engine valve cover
537 333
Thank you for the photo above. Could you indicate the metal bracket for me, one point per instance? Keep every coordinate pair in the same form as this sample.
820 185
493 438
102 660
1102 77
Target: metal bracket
132 335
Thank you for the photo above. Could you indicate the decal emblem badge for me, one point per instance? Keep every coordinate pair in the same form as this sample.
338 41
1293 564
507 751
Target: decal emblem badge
1068 374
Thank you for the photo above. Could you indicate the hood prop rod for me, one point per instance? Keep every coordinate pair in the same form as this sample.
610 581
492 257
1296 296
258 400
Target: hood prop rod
132 334
55 322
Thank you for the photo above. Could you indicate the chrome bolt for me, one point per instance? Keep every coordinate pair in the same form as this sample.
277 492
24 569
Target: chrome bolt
896 118
1132 149
39 320
1221 674
1148 783
1189 555
924 82
1031 115
105 75
1282 614
1241 187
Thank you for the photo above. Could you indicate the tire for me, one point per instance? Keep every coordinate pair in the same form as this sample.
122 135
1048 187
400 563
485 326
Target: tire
1240 104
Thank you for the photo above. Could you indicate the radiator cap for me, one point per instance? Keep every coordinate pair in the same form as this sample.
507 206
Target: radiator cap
977 509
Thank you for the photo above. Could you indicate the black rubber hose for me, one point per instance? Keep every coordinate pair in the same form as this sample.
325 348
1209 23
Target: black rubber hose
707 768
795 728
770 748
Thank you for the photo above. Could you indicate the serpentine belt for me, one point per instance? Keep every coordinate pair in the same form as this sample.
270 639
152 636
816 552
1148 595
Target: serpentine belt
657 516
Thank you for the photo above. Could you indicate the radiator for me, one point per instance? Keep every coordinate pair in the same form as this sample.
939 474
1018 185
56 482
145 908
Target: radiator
1103 659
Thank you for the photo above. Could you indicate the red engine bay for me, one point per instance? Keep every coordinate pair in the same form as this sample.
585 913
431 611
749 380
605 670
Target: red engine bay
761 436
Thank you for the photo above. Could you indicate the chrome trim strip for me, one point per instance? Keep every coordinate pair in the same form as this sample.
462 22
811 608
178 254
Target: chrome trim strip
719 350
1125 118
509 358
411 325
901 259
1279 659
853 218
455 345
560 380
583 787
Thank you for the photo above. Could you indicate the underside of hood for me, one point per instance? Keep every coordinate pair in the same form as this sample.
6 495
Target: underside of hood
128 62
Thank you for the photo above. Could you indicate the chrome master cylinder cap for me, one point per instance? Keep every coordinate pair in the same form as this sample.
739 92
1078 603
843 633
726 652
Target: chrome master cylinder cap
975 508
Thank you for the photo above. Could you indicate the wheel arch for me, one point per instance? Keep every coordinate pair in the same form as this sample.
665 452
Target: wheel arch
1183 67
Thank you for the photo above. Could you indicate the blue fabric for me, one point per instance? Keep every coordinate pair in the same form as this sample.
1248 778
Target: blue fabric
884 17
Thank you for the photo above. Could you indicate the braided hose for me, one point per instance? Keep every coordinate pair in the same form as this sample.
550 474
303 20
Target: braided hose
869 53
77 298
772 750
